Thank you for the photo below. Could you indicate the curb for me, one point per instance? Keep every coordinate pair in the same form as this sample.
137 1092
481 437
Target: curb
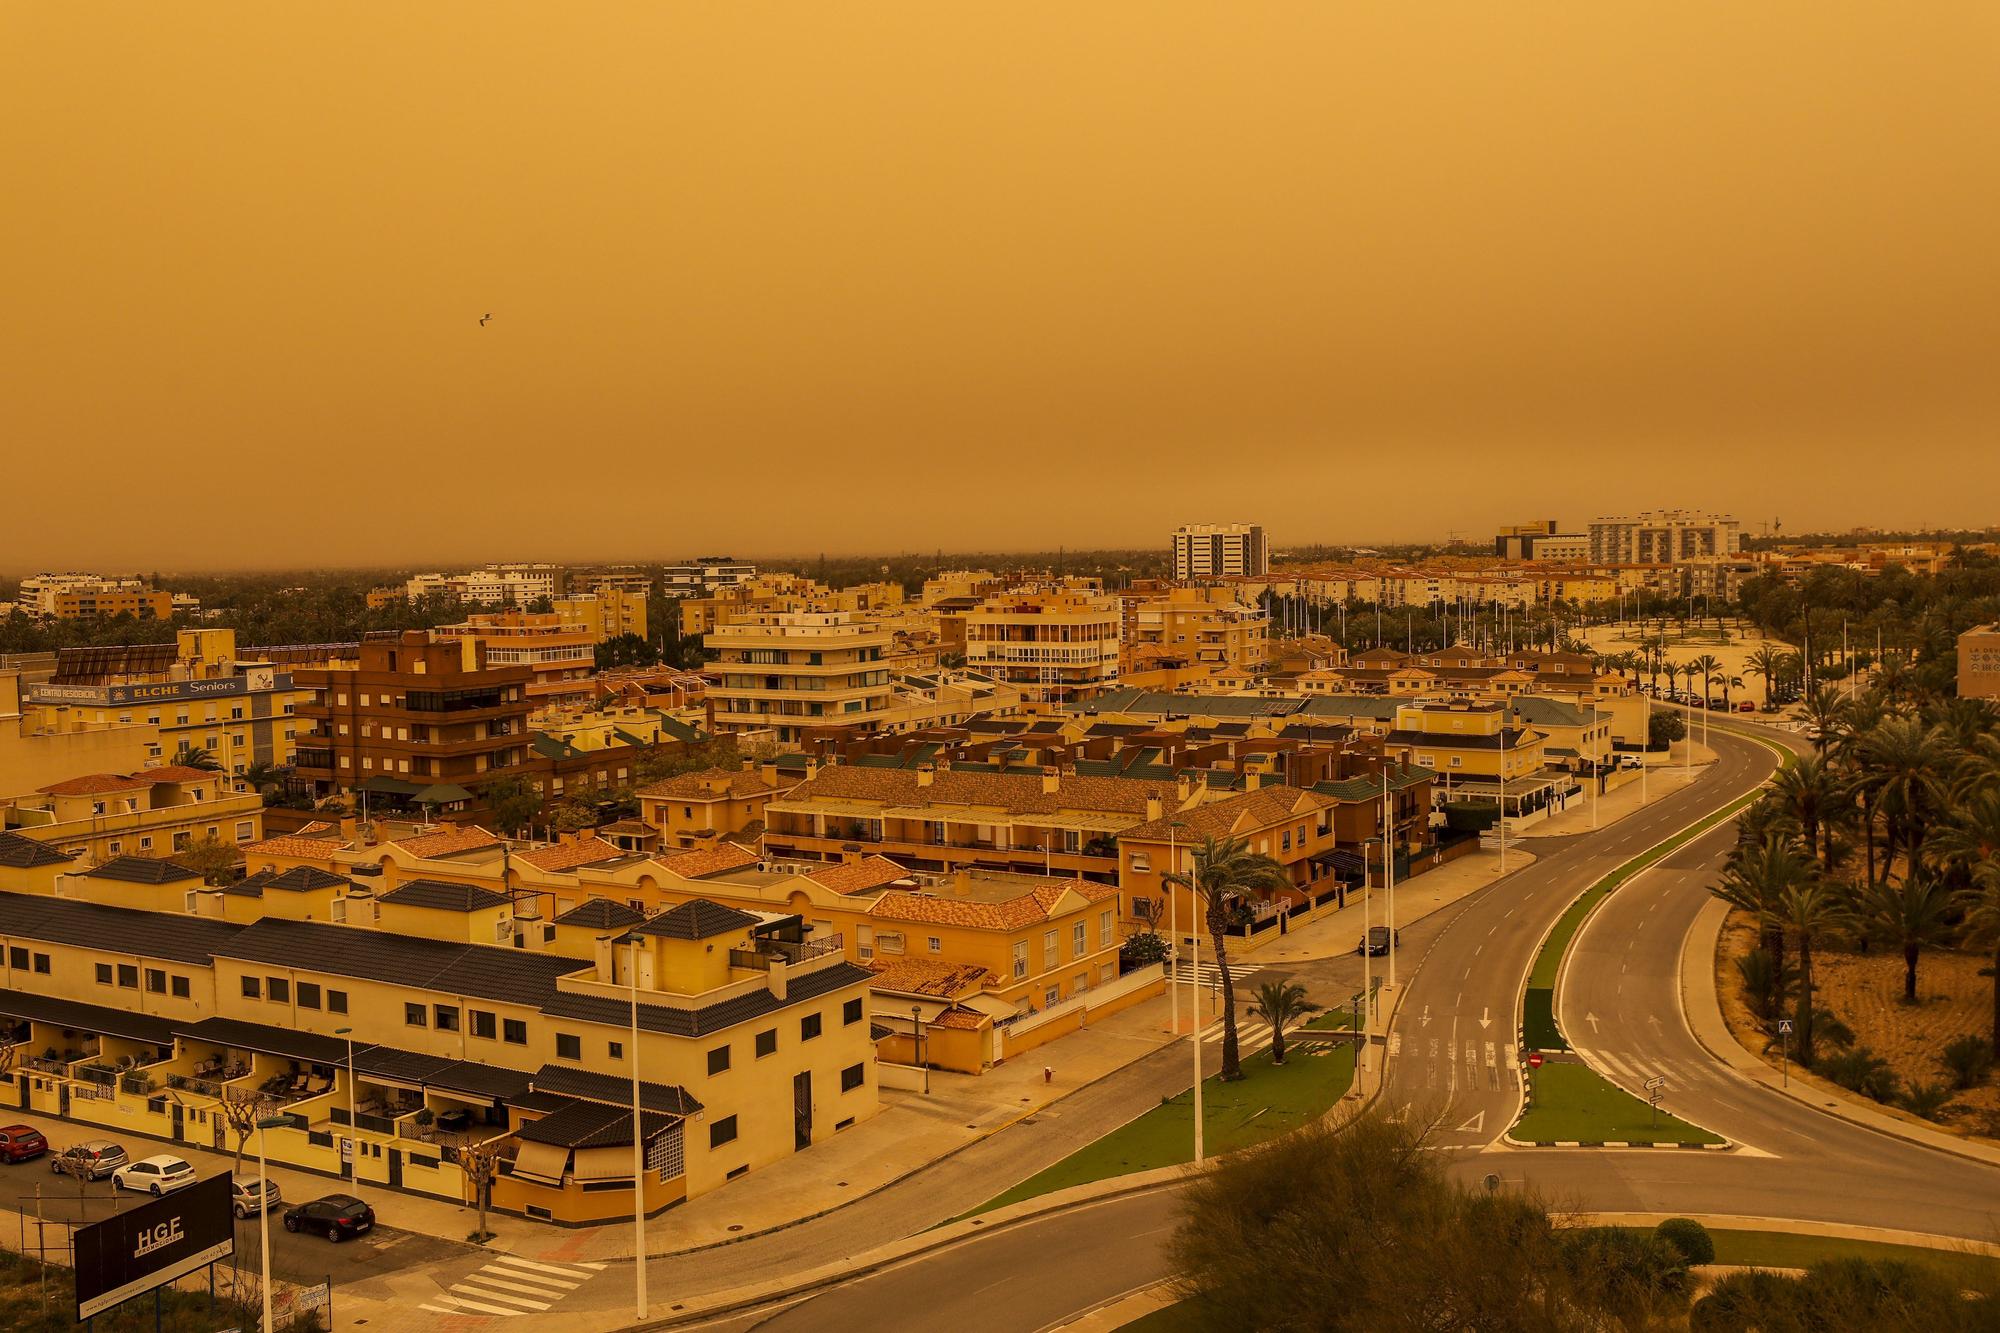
1724 1146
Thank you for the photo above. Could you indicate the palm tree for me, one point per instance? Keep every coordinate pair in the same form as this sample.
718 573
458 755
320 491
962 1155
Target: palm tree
1903 761
1811 910
1729 683
1768 662
1280 1003
1226 872
1812 797
1911 916
1981 905
197 756
1709 666
1757 881
1826 716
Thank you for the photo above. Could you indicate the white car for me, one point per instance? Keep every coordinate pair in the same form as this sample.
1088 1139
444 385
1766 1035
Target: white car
154 1175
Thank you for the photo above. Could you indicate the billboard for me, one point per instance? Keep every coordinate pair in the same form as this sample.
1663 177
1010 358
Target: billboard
132 1252
256 679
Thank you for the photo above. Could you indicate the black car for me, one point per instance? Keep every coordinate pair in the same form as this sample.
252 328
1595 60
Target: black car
1376 942
337 1217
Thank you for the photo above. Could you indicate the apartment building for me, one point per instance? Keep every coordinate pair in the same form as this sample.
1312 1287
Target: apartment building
1662 537
99 817
798 674
559 653
492 585
706 575
1191 627
1979 663
1058 645
419 721
388 1049
691 807
629 579
605 613
1220 550
77 596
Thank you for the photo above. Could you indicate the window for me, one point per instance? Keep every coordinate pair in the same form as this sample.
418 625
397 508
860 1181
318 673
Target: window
767 1042
244 831
1285 843
181 991
308 995
1020 959
852 1077
1141 862
104 974
808 1027
128 976
278 989
1050 947
936 945
1105 929
1053 995
416 1015
569 1046
252 988
1079 939
718 1059
850 1013
482 1024
447 1017
156 981
722 1131
336 1002
514 1030
615 1049
889 941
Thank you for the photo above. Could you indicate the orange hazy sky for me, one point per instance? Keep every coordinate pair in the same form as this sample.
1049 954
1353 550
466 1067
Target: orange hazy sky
859 276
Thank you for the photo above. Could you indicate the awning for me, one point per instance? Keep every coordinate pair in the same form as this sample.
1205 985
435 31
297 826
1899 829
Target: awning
602 1164
442 793
542 1162
80 1017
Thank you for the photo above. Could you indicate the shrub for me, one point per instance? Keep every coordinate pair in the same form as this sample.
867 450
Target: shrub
1970 1060
1688 1236
1755 970
1859 1070
1141 950
1926 1099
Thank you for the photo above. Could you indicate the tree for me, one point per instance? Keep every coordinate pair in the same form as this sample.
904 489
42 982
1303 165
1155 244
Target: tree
215 859
1902 761
1281 1003
511 803
1826 717
1813 800
1226 873
1664 726
481 1162
1981 905
197 756
626 650
1769 663
1757 880
1811 910
1911 916
241 1109
1708 666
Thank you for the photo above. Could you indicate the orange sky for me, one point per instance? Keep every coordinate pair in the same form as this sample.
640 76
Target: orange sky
879 276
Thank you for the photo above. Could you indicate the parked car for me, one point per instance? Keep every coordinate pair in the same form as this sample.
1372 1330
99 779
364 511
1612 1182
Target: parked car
1376 941
1746 707
337 1217
19 1143
249 1196
154 1175
96 1158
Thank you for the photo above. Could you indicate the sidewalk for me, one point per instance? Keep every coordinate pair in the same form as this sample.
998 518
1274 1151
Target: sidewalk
1336 932
1704 1011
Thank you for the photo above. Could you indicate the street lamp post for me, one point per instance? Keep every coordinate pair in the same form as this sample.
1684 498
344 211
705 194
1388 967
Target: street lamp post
353 1162
1194 1032
264 1210
1173 931
1389 868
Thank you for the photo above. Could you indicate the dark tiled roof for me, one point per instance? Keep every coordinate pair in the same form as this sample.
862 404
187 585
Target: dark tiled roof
485 971
287 1042
601 914
444 896
85 1017
696 919
304 879
611 1089
575 1124
169 935
24 853
713 1018
143 870
251 886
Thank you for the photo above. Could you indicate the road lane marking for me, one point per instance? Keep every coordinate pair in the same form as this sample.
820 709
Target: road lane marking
486 1295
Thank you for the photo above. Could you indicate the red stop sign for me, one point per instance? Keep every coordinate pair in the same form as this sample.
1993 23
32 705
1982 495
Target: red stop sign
1534 1059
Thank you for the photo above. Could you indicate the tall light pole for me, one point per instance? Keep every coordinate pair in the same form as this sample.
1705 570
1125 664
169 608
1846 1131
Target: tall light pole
1194 1029
264 1210
638 1146
353 1162
1173 926
1389 867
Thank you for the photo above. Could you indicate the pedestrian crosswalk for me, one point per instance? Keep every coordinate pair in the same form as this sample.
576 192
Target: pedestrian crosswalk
511 1285
1208 974
1630 1070
1250 1035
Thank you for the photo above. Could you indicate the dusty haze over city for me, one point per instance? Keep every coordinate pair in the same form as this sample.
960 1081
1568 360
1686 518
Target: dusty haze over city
895 276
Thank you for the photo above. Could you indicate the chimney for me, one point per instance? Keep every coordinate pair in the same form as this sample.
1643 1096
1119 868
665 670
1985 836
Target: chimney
1253 778
1153 806
1183 786
1051 779
604 950
925 772
350 829
850 853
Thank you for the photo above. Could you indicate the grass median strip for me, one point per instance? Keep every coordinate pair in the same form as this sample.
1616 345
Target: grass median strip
1268 1101
1785 1249
1575 1104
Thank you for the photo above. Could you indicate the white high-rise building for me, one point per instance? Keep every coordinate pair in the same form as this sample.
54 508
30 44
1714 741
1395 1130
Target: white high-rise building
1216 550
1663 537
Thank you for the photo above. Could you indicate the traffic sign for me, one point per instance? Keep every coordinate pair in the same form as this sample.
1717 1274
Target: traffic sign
1657 1081
1534 1059
1784 1027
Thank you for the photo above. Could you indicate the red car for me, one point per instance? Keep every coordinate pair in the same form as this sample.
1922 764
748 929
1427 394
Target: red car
18 1143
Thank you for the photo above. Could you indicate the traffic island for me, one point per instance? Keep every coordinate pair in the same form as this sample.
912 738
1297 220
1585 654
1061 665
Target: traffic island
1571 1105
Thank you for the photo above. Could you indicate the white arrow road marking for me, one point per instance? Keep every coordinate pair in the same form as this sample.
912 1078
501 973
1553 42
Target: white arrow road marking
1476 1125
1592 1020
1424 1019
1486 1018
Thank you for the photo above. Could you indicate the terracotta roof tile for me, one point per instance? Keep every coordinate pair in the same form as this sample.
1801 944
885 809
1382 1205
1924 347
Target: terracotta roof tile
448 842
1269 806
960 1017
710 784
708 861
1030 908
294 844
872 872
95 784
1017 793
569 855
924 976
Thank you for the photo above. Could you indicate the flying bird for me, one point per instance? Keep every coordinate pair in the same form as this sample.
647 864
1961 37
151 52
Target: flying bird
483 318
